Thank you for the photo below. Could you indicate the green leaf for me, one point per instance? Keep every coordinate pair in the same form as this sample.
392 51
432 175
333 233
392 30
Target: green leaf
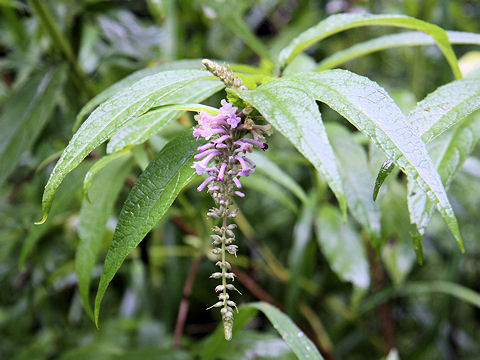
111 116
25 115
342 247
293 112
445 107
93 218
300 344
99 166
441 109
357 179
273 171
143 127
368 107
215 345
443 287
417 288
337 23
153 193
129 81
298 255
398 260
271 189
409 38
385 170
67 194
452 150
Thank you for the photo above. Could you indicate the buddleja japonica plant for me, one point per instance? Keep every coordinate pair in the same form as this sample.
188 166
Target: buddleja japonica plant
282 93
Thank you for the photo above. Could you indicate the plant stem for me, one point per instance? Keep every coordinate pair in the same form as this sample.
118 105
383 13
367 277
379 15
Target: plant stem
48 23
184 304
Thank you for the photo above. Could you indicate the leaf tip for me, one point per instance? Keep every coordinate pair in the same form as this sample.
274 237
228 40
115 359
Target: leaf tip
42 220
460 243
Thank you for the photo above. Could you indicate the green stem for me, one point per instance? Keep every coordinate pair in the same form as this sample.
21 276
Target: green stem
48 23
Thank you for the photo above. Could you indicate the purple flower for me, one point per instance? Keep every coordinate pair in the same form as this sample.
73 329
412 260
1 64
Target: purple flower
224 159
228 113
227 150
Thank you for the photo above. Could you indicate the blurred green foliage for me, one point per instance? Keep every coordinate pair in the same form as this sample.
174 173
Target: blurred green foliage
56 55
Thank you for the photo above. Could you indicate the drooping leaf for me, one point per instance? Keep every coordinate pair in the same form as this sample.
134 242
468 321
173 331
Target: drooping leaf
385 170
150 198
409 38
441 109
293 112
129 81
369 108
273 171
112 115
445 107
452 151
337 23
300 344
25 116
357 179
93 218
145 126
342 247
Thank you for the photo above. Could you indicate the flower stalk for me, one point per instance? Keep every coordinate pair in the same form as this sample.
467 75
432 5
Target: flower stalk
231 134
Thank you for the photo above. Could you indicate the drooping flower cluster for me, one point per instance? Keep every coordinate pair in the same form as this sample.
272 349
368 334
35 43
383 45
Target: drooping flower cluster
223 159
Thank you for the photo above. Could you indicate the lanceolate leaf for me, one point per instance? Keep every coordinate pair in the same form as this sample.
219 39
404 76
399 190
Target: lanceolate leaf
440 110
216 346
130 80
112 115
143 127
357 179
153 193
293 112
291 334
93 218
368 107
445 107
409 38
342 247
25 115
452 151
337 23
